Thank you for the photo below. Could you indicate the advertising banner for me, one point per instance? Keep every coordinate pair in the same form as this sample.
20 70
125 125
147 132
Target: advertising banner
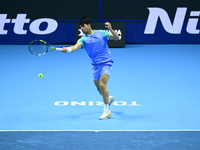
119 27
144 22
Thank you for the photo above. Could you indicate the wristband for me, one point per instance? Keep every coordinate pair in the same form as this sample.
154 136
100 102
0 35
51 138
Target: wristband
69 49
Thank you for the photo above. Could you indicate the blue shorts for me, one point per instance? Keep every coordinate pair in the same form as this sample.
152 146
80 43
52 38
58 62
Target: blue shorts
98 70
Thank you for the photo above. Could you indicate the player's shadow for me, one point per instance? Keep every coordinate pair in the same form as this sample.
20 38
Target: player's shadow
84 114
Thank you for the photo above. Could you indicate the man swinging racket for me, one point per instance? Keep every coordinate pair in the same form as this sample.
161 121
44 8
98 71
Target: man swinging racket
95 44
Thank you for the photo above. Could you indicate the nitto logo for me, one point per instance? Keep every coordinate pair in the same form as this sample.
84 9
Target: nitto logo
176 27
34 26
92 103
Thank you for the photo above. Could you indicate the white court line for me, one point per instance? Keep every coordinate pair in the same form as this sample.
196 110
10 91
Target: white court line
96 130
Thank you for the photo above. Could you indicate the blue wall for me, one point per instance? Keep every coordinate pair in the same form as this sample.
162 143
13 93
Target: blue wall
174 22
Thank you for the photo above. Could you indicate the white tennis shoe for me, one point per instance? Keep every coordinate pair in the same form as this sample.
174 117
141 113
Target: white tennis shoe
106 112
106 115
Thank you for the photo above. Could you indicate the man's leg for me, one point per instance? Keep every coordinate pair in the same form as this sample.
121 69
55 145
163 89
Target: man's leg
97 84
102 87
101 73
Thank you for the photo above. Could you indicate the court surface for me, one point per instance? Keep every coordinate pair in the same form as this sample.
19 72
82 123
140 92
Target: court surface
156 88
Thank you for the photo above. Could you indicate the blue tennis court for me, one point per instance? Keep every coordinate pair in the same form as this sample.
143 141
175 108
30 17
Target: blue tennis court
156 90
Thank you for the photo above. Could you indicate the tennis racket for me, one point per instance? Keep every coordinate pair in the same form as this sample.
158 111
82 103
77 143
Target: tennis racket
40 47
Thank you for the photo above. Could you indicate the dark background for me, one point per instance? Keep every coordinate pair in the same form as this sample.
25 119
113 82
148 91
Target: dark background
76 9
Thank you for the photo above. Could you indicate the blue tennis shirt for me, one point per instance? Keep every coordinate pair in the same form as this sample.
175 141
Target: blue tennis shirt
96 47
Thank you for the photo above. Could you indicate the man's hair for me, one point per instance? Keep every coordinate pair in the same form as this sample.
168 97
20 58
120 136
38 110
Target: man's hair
85 20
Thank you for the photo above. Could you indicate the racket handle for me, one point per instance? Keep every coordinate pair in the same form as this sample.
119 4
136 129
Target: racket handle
59 49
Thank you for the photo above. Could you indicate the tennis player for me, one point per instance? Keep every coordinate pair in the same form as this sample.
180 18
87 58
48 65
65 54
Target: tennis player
95 44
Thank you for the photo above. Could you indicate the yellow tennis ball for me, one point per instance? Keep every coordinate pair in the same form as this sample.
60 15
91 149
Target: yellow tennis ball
40 75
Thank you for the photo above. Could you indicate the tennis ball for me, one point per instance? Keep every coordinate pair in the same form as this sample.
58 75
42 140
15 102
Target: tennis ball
40 75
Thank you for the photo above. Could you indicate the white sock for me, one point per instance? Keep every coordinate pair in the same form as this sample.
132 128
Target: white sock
106 107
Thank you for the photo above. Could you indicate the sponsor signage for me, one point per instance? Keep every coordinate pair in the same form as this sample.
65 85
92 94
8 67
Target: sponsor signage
22 30
161 27
174 27
177 25
119 27
34 27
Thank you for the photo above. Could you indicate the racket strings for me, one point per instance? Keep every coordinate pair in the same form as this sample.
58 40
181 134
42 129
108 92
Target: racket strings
38 47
